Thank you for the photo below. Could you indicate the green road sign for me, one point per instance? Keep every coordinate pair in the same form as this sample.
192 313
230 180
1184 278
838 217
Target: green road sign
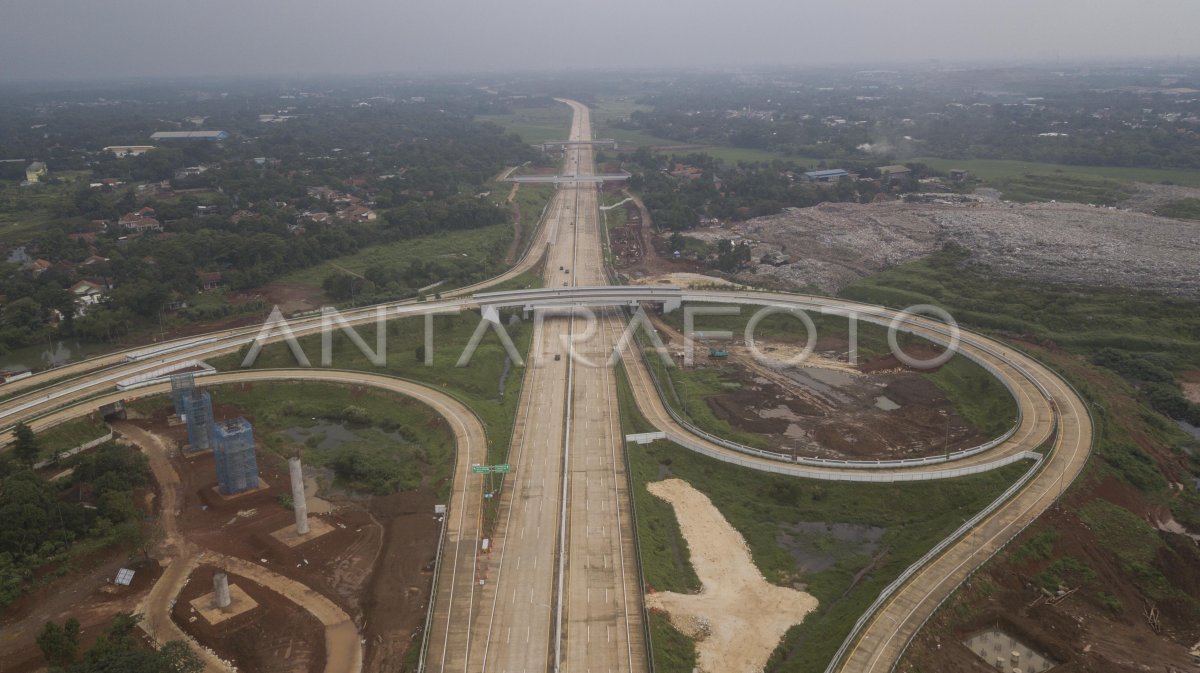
490 469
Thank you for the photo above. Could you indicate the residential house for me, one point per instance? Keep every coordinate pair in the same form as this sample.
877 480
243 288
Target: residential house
209 280
87 294
829 175
40 266
122 151
190 172
687 171
140 221
358 214
890 174
241 215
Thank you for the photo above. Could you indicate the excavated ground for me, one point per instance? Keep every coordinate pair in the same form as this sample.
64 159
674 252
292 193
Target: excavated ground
376 564
877 410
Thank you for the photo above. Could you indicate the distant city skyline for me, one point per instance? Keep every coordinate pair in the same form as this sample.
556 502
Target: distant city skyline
61 39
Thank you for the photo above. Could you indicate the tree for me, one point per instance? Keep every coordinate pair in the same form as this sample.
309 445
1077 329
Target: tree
26 448
120 650
730 256
59 644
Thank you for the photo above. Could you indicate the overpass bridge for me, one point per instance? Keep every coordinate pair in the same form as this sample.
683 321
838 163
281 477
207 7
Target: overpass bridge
567 144
599 295
570 179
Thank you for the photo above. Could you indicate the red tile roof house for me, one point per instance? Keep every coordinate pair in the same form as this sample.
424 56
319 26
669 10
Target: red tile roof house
140 221
358 214
209 280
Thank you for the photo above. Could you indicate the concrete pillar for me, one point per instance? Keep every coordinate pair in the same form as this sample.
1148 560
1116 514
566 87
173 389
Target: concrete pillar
298 503
221 590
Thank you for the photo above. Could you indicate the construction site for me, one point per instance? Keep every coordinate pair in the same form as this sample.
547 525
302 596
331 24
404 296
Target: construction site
876 408
262 565
305 574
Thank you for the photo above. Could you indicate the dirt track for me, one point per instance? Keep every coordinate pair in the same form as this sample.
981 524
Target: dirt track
182 557
738 618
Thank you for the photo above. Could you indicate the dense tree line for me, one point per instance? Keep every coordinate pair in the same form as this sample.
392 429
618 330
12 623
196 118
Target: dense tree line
849 119
43 520
729 192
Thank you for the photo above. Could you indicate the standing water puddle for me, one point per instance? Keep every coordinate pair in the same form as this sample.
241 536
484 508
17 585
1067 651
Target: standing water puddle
886 404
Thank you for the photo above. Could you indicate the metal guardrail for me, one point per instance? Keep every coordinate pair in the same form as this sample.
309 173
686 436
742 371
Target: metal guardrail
1092 423
920 563
437 567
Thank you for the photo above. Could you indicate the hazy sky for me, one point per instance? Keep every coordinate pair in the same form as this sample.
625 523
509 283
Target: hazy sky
121 38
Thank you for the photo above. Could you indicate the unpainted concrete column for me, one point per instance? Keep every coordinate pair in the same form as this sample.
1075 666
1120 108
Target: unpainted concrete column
221 590
298 503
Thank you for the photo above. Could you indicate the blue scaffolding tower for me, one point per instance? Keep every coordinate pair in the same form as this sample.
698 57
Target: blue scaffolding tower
181 386
237 467
197 409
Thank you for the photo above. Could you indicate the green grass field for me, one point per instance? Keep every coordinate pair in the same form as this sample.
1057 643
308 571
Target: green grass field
69 435
608 109
1063 187
996 169
1183 209
766 509
1078 319
535 124
473 246
476 384
24 211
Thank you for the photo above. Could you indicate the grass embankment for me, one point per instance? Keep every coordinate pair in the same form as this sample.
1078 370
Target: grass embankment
1181 209
530 201
778 515
1119 347
66 436
479 384
478 252
1077 319
535 124
1063 187
977 396
996 169
395 443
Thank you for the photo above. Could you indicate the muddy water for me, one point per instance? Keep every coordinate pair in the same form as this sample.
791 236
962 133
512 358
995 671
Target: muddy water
823 383
818 546
332 435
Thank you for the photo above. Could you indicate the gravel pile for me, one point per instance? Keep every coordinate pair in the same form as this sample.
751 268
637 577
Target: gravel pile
831 245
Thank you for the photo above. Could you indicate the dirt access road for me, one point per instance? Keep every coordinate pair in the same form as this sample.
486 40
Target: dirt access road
738 618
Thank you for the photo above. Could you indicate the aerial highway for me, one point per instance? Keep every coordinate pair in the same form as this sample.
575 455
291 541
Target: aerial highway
557 589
